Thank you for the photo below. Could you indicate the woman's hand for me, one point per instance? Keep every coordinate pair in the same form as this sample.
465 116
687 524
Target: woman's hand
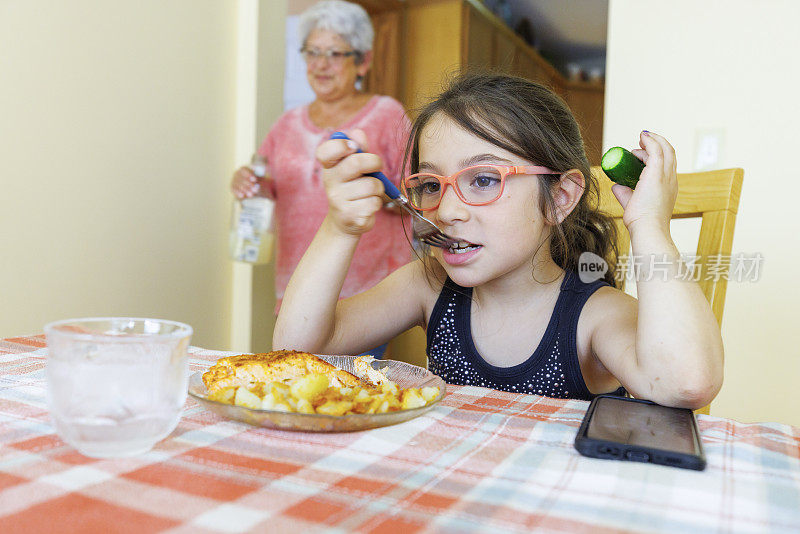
353 199
245 184
653 200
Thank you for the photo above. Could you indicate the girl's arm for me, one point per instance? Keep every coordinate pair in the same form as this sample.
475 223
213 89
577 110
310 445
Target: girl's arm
311 317
669 348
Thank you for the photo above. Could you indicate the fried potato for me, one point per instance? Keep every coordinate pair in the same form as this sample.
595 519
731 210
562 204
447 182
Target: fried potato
362 396
383 404
390 388
412 399
225 395
429 393
320 390
277 402
335 407
246 398
310 386
278 387
304 406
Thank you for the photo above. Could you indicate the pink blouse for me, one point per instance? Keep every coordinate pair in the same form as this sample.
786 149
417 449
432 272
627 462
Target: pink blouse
301 203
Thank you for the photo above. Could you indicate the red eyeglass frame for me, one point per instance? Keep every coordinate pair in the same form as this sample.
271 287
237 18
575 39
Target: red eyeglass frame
504 170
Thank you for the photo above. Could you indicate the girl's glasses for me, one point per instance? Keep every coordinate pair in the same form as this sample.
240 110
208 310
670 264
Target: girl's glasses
336 57
476 185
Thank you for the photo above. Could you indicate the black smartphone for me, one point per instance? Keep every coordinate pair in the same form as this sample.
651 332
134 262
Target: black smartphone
620 428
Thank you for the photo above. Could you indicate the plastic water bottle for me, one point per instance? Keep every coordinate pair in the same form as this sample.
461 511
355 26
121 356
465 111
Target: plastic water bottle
251 234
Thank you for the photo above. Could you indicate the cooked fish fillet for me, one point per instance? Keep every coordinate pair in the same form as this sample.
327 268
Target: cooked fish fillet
250 369
362 367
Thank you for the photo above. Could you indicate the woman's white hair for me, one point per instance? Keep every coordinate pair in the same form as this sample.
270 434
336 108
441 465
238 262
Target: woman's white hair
348 20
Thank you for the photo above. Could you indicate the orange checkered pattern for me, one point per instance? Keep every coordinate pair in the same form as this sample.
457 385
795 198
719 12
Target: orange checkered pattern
483 460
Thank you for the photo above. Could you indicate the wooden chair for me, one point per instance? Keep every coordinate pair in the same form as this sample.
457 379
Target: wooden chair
710 195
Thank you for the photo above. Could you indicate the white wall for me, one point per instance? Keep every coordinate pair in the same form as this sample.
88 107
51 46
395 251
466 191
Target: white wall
117 124
685 66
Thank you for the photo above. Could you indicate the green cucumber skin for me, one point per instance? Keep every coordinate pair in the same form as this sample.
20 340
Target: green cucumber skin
627 171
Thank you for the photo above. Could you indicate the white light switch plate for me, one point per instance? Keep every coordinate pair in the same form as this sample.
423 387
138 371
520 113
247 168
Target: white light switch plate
708 147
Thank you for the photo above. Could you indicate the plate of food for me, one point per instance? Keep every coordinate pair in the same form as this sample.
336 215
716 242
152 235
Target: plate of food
293 390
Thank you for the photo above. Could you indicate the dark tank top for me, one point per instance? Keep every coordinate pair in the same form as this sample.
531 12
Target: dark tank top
552 370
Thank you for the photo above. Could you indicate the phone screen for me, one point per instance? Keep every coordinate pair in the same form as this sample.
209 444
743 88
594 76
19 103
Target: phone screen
645 425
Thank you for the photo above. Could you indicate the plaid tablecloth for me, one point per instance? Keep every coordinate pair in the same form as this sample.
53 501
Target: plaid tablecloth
481 461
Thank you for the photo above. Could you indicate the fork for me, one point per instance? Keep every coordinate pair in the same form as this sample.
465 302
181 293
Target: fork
425 230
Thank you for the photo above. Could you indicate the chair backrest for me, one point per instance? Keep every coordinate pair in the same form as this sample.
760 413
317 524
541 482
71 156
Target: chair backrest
710 195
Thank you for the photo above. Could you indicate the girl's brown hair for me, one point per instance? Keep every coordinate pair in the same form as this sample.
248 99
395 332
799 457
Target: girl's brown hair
529 120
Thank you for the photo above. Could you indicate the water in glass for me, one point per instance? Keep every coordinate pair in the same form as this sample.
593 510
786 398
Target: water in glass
116 395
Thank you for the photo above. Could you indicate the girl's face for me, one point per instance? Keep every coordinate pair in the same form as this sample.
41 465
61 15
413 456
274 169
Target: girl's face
331 79
501 237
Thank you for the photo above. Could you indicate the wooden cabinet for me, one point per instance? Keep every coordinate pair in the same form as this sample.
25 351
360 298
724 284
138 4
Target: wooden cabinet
586 102
419 43
486 42
504 53
387 20
479 37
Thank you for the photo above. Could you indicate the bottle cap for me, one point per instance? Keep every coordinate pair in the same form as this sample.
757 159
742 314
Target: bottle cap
259 165
259 169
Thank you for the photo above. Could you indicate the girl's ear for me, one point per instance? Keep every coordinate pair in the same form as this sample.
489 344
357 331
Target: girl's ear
567 192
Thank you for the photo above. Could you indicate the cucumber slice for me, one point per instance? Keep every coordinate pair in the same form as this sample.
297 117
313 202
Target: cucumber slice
622 166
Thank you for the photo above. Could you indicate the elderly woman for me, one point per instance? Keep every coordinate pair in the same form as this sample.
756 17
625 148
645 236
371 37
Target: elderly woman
337 48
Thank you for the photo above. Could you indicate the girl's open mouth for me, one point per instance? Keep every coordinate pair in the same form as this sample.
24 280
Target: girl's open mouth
460 253
462 247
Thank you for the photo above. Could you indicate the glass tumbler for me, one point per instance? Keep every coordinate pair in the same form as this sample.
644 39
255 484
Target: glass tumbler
116 385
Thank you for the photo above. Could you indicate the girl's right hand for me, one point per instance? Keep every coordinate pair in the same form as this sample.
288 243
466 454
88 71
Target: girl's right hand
245 184
353 199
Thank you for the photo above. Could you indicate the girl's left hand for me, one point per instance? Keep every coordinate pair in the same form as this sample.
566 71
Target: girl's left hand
652 201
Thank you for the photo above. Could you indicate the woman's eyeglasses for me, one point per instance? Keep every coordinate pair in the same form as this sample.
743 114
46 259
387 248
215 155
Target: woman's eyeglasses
336 57
476 185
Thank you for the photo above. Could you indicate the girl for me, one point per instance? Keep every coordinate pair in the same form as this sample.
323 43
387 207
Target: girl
499 164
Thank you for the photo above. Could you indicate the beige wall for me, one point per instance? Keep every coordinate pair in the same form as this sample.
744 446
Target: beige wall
118 138
681 66
260 71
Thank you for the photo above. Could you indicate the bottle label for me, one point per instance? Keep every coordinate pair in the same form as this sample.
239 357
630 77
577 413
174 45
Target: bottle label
250 253
251 227
250 234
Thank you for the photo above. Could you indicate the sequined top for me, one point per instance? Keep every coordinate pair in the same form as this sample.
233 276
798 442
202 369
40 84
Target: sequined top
552 370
